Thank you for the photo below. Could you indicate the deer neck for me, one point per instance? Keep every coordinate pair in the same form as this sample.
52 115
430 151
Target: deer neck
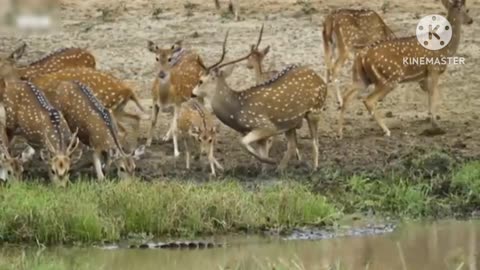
453 17
258 72
164 89
225 102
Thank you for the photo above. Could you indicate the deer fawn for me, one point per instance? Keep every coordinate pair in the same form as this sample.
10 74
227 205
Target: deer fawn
194 122
55 61
232 7
96 128
178 71
271 108
383 65
348 30
112 92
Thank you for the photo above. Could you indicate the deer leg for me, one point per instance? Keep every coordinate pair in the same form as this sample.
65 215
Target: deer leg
381 90
264 147
213 161
313 127
176 153
155 112
433 98
346 99
291 145
187 154
297 151
233 7
255 136
98 166
173 124
327 50
340 61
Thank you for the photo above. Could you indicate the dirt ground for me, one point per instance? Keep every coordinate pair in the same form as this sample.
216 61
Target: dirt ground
117 35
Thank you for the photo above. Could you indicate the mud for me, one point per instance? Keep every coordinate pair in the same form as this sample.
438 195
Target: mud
117 35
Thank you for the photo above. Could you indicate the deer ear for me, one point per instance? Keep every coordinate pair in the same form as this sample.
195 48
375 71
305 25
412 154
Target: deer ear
226 72
266 50
152 47
178 44
44 155
139 152
27 154
18 53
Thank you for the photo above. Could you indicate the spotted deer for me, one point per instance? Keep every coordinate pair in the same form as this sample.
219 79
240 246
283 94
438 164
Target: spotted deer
232 7
347 31
95 125
177 72
52 62
274 107
197 124
30 115
254 61
383 65
111 91
58 60
11 167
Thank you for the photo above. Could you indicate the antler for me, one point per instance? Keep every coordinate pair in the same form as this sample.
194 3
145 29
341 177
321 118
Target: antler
247 56
73 143
49 144
224 51
259 37
4 149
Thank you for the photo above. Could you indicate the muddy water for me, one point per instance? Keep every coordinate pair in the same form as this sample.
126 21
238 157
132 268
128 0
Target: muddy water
442 245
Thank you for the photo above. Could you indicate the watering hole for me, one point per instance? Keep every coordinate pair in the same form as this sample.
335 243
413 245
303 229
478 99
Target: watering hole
445 244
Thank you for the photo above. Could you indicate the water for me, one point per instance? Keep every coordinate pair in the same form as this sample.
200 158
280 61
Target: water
435 246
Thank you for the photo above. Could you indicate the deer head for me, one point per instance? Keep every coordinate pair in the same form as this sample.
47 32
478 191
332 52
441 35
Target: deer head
205 137
7 63
125 163
256 55
164 58
460 7
11 168
60 159
214 75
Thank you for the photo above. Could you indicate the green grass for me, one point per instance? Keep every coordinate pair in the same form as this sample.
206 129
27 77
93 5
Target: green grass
90 212
87 212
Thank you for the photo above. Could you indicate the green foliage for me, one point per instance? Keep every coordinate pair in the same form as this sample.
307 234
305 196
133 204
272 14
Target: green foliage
91 212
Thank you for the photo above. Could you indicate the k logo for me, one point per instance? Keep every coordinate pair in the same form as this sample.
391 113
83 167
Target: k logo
434 32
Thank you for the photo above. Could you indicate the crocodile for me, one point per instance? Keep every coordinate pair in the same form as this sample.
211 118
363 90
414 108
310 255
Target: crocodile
170 245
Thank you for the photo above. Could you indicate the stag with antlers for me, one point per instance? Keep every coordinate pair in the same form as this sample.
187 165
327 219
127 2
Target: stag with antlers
274 107
383 65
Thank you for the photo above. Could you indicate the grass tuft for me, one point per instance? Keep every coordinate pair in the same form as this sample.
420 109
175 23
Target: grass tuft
90 212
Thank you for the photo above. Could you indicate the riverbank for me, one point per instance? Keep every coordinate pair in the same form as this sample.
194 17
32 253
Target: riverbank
87 212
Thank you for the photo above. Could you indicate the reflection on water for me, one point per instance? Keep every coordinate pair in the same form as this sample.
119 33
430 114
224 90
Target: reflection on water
444 245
